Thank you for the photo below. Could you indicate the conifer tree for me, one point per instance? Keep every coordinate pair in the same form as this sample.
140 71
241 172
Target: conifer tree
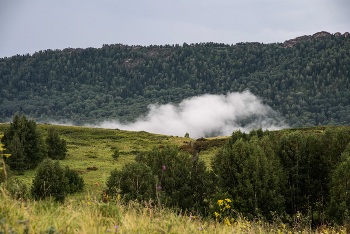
56 147
23 142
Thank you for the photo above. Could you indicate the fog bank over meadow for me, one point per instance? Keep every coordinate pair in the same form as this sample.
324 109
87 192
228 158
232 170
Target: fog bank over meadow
204 116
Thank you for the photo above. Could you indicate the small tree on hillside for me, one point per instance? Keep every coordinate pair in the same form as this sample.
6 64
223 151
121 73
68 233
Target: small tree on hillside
50 181
116 154
53 180
76 182
56 147
22 141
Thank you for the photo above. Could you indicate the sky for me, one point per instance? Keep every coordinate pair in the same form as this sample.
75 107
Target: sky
27 26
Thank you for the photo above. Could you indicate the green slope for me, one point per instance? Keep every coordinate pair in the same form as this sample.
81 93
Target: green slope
93 147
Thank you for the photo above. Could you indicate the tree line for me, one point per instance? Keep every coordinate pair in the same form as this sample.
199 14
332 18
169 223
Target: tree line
25 149
307 83
290 175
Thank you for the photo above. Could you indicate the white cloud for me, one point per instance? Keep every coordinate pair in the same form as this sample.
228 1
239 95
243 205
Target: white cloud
207 115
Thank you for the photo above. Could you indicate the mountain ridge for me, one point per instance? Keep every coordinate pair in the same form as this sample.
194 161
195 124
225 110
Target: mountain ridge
315 36
307 83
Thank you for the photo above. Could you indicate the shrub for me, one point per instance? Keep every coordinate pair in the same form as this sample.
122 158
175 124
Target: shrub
76 183
181 178
56 147
134 181
22 141
52 180
116 154
16 188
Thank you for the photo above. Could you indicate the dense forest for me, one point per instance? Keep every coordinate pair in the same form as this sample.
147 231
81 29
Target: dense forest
305 79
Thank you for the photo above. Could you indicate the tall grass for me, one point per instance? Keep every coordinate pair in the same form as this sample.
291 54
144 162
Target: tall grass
90 215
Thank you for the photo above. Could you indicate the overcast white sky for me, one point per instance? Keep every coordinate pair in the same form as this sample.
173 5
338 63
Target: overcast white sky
27 26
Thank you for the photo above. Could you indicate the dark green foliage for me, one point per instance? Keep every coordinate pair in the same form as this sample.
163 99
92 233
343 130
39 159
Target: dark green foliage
52 180
180 179
134 181
23 142
292 155
250 173
183 180
340 190
309 161
308 83
75 181
56 147
116 154
296 172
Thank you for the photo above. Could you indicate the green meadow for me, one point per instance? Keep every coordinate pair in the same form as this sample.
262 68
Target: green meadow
84 212
93 147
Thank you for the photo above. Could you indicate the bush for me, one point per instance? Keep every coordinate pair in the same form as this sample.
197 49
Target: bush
177 179
116 154
183 179
56 147
22 141
52 180
76 183
16 188
134 181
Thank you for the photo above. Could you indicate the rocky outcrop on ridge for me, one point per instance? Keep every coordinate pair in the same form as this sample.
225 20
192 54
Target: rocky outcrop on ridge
318 35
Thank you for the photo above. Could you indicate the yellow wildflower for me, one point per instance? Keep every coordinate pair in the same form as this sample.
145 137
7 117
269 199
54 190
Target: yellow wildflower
226 221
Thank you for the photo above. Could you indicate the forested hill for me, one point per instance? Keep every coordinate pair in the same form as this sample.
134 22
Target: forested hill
306 79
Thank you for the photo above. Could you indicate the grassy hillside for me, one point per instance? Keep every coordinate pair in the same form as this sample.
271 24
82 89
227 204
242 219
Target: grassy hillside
85 213
92 147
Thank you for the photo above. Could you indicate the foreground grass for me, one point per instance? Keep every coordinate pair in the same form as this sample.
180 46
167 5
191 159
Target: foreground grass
93 216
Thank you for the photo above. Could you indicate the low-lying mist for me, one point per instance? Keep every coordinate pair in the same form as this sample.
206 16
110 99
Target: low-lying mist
204 116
